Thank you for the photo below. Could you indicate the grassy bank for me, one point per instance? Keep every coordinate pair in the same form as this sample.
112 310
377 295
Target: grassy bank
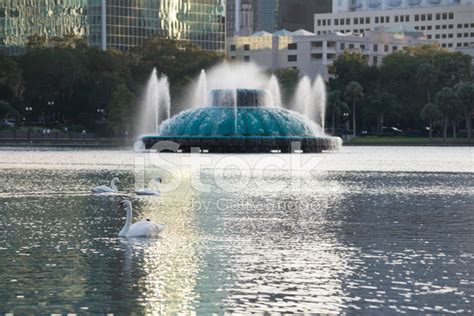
408 141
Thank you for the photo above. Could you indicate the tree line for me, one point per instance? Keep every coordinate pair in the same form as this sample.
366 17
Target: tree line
422 86
64 83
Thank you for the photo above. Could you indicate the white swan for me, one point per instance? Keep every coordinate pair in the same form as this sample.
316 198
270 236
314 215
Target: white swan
144 228
107 189
147 191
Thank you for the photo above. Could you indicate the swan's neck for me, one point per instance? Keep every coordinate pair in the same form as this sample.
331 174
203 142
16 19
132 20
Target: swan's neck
113 185
128 222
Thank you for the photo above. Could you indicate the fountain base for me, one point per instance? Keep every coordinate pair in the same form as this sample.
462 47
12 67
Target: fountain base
245 144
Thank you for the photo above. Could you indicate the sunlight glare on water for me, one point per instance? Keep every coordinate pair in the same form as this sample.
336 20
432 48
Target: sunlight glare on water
365 234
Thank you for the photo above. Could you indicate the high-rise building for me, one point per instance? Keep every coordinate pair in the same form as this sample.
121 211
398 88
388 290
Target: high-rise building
114 24
299 14
448 22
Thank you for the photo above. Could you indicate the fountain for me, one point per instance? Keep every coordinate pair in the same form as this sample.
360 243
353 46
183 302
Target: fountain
237 108
155 105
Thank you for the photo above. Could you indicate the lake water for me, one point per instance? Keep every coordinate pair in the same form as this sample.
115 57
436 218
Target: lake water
362 230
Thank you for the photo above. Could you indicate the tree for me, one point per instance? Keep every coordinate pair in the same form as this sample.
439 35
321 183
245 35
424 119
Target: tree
336 106
121 110
465 94
5 108
11 79
426 75
353 93
430 112
446 100
350 66
379 103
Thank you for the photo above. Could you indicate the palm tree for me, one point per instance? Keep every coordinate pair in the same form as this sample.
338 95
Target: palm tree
426 75
465 93
380 102
353 93
447 103
430 112
336 106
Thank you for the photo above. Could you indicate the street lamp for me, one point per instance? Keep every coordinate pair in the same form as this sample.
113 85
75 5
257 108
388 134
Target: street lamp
51 112
101 112
346 120
28 111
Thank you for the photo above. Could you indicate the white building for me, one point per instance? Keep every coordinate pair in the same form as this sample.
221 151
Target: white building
311 53
448 22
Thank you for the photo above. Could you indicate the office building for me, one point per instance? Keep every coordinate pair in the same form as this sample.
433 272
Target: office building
448 22
114 24
299 14
312 54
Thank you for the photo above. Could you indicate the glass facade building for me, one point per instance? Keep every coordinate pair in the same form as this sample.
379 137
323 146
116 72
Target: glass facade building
20 19
118 24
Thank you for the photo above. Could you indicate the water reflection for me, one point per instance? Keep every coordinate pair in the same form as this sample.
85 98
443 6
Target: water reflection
367 242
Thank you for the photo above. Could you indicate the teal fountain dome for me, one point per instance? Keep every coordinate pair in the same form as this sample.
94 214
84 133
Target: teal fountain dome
238 120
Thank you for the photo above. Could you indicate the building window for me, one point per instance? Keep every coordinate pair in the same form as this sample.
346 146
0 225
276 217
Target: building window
342 21
317 56
324 22
450 35
351 46
444 27
367 20
246 58
428 36
402 19
394 48
438 27
445 16
396 18
348 21
387 19
232 57
385 48
466 34
451 15
318 44
458 44
376 48
443 36
437 36
362 46
361 20
343 46
443 45
292 46
423 17
356 21
459 35
319 22
382 19
329 22
450 26
438 16
232 48
417 17
292 58
429 17
459 26
428 27
246 47
376 19
376 60
450 44
336 22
